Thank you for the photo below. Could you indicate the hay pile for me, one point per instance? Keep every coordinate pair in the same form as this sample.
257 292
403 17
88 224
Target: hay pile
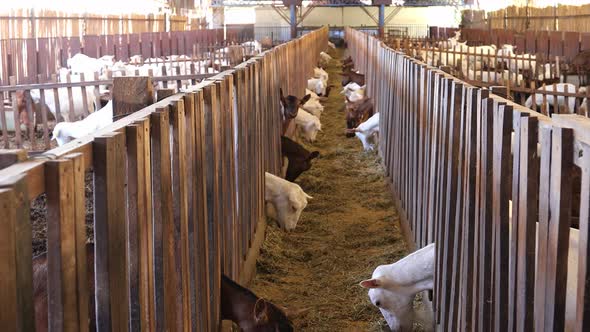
348 229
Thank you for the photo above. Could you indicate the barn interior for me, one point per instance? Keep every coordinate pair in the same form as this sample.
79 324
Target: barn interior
295 165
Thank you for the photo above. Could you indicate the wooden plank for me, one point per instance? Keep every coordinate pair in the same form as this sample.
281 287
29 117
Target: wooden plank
531 46
556 43
500 218
584 41
82 291
16 274
92 46
571 45
192 214
514 230
527 215
180 208
146 45
44 64
110 233
10 157
61 246
558 239
202 225
138 280
134 45
165 278
211 112
542 236
583 294
31 59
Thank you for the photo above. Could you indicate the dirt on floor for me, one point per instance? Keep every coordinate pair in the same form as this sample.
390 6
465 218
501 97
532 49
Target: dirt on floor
348 228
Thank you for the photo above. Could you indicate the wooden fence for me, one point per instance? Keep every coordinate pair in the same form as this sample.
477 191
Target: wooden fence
495 185
520 74
566 44
44 23
178 194
34 60
551 18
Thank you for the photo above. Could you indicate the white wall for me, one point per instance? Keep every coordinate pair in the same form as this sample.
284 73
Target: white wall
354 16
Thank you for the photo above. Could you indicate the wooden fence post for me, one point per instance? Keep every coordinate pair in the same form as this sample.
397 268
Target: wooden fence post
16 275
10 157
130 94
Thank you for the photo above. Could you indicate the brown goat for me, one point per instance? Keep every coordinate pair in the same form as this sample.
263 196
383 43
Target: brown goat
358 112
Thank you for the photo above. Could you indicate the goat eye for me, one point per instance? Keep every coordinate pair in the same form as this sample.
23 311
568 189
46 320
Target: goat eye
293 208
378 303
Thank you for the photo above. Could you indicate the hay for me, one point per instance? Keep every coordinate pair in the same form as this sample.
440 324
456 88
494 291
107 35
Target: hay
348 228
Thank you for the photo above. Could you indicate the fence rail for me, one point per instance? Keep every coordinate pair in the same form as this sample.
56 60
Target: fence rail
497 186
178 192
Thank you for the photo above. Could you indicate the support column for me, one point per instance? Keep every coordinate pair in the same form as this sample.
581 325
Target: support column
292 4
293 21
381 4
381 21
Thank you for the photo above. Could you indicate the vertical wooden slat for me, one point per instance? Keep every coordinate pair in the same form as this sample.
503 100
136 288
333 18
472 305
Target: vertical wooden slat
202 226
501 190
62 273
16 275
110 233
164 268
139 291
583 295
180 195
527 215
558 239
80 237
192 214
543 231
211 126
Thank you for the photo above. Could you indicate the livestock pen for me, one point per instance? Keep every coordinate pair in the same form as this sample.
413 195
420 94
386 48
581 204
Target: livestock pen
178 199
176 60
495 185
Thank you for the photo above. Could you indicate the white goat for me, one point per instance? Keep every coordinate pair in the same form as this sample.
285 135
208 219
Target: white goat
308 125
367 130
317 85
562 101
393 287
284 201
64 132
313 107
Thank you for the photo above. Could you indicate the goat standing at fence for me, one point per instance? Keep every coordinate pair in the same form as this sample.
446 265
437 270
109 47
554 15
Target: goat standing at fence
290 108
358 112
351 76
392 289
284 201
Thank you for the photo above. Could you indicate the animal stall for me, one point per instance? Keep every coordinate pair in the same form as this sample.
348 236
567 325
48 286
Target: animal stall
494 185
177 200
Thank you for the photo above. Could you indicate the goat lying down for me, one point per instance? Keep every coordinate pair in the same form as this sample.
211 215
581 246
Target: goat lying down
65 132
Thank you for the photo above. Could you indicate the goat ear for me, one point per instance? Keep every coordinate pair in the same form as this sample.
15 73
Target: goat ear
260 311
305 99
283 101
314 155
370 283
